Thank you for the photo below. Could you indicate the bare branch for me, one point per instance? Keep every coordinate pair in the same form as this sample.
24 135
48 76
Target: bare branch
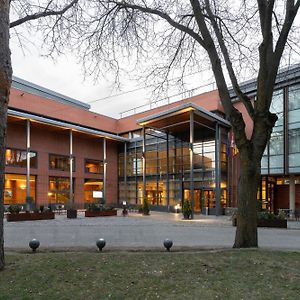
45 13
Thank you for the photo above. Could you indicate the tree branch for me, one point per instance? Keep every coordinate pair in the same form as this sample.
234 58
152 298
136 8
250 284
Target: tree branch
162 15
245 99
45 13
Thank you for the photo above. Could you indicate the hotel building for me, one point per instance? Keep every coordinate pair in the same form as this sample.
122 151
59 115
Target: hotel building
58 151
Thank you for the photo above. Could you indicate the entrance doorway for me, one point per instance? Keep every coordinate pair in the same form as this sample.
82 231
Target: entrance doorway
197 199
203 199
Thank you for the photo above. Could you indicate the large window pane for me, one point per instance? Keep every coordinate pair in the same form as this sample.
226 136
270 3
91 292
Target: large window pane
15 189
294 128
91 186
59 189
60 162
18 158
94 166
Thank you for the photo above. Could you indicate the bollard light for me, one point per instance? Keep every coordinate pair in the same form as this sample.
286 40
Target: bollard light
168 244
101 244
34 244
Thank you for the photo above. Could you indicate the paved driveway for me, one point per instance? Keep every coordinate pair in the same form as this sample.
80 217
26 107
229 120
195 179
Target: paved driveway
136 232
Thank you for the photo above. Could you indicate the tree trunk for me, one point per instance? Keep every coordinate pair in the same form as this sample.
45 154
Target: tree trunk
5 83
246 232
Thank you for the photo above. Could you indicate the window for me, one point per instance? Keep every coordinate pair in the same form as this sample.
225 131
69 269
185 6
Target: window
90 186
18 158
15 188
93 166
59 189
60 162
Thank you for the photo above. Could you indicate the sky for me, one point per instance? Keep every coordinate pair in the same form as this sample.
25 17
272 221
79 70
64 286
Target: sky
66 76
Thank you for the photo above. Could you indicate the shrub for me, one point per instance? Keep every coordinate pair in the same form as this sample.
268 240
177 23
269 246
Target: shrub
14 209
267 215
146 207
187 209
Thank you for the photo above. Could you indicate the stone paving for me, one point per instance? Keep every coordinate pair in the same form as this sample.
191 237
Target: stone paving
141 232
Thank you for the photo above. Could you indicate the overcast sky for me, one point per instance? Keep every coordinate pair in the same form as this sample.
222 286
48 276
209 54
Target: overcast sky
65 75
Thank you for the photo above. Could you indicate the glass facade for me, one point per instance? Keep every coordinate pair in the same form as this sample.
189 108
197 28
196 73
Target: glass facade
18 158
294 129
273 159
286 134
15 189
168 171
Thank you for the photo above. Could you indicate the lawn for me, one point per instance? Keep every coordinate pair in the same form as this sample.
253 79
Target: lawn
227 274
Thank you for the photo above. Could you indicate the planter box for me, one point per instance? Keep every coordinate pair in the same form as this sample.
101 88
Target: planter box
71 213
105 213
32 216
267 223
272 223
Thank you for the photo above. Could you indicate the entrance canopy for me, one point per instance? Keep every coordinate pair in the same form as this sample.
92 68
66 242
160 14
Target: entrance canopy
176 121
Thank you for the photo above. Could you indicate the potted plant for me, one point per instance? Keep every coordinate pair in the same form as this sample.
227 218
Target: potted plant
71 211
99 210
146 207
187 209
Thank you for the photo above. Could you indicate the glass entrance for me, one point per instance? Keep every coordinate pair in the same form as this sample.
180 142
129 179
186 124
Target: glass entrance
208 197
197 199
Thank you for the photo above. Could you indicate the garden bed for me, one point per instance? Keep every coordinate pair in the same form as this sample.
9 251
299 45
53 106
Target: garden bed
104 213
267 223
30 216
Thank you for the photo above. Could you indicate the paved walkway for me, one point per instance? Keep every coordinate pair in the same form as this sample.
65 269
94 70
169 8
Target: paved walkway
141 232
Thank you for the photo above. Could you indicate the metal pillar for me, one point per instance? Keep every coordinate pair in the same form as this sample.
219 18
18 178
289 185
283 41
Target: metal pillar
167 174
218 170
192 161
104 170
144 162
71 170
28 202
125 171
292 195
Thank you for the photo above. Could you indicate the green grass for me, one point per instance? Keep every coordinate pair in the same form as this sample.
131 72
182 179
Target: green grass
230 274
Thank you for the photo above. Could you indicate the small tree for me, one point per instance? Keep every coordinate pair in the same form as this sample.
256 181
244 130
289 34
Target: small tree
146 207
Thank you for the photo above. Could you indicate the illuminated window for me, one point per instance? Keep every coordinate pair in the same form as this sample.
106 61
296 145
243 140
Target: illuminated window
60 162
91 187
15 189
93 166
59 189
18 158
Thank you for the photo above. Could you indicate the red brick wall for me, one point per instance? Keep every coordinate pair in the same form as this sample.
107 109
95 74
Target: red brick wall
47 139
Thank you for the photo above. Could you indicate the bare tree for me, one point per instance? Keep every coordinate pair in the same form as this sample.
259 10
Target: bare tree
172 37
177 36
24 11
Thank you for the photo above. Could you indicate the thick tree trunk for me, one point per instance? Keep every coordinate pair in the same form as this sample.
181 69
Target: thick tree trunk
246 233
5 83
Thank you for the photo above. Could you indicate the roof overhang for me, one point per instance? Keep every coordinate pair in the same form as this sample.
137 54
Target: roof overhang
65 125
177 121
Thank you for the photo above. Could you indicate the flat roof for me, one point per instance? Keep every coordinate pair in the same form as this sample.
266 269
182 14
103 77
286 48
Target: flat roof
181 109
32 88
288 75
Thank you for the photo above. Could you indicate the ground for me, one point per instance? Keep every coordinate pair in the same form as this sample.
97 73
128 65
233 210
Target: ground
142 232
218 274
134 264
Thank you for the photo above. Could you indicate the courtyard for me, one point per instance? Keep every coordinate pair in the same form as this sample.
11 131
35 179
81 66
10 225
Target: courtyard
138 232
